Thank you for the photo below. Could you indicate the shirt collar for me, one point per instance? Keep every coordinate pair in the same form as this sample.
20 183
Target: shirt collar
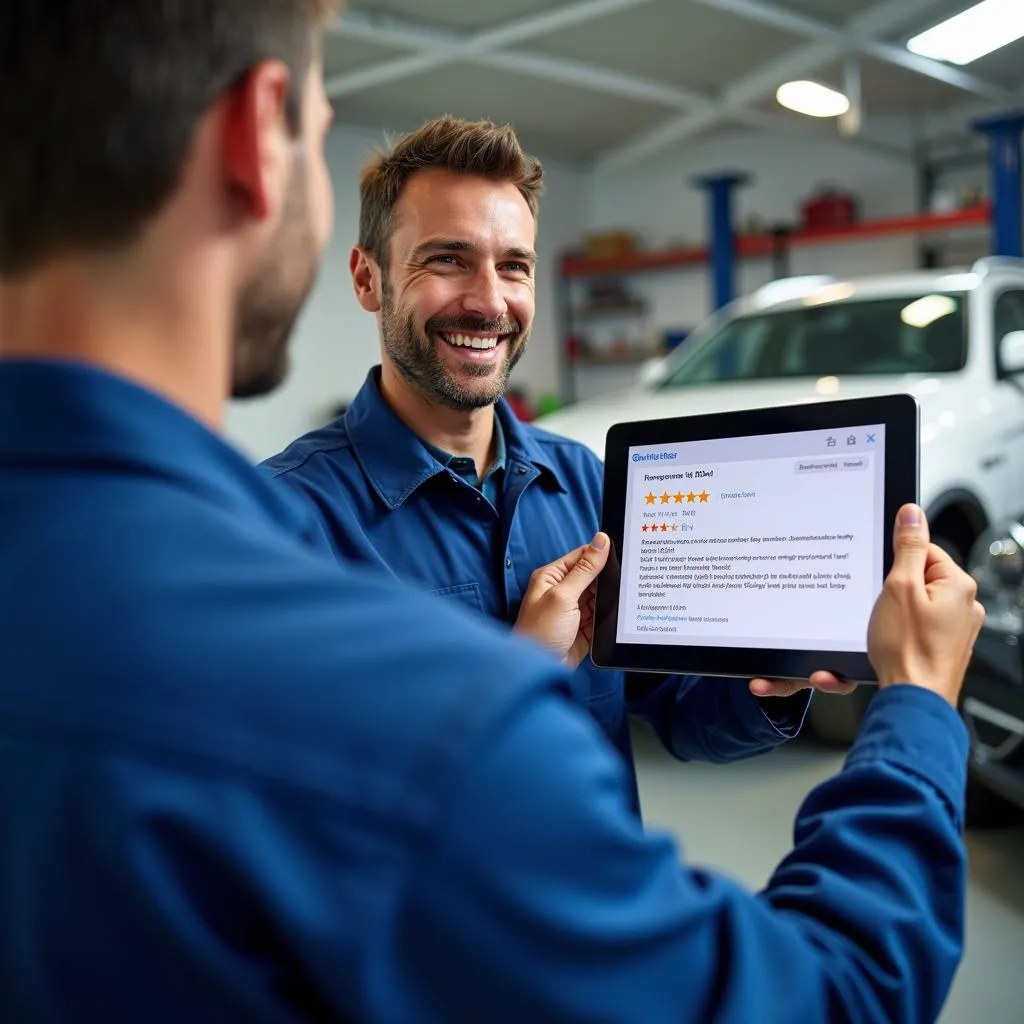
497 463
500 452
396 461
69 414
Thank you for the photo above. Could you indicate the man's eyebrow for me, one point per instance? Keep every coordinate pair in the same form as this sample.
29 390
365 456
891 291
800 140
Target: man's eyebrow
442 245
461 245
526 255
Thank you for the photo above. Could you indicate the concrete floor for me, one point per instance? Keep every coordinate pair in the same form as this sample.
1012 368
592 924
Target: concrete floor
760 798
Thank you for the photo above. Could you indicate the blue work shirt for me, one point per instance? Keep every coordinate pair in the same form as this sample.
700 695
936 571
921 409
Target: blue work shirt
241 783
385 498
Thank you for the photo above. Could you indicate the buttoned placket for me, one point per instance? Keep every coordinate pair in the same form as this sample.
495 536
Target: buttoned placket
517 569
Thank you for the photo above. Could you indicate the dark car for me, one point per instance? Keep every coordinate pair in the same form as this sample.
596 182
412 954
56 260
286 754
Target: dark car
993 696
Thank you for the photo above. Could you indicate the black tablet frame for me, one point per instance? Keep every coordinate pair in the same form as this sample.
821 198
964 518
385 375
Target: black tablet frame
900 415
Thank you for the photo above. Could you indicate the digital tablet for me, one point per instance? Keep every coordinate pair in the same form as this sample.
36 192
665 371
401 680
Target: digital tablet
752 543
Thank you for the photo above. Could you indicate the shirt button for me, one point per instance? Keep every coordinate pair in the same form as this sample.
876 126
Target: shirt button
508 563
521 471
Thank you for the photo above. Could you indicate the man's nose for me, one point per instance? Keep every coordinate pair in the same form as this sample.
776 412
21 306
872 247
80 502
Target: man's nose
485 297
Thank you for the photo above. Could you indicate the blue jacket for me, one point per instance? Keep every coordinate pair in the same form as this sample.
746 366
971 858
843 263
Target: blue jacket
381 497
241 783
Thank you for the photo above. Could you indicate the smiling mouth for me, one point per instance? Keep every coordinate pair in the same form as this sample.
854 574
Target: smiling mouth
483 342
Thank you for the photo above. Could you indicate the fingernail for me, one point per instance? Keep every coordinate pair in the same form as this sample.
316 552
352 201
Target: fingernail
910 515
599 541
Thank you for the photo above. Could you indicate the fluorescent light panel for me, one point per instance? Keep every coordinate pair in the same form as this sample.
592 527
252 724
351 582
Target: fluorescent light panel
981 29
813 99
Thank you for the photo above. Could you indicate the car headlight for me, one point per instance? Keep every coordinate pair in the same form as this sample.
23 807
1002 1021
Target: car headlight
997 563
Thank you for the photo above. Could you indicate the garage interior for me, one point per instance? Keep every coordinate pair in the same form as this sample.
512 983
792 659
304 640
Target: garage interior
677 181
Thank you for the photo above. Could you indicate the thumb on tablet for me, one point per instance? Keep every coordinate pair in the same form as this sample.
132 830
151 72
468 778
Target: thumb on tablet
587 568
911 538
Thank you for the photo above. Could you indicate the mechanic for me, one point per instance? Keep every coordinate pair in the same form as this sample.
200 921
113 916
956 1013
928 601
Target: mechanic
240 782
430 476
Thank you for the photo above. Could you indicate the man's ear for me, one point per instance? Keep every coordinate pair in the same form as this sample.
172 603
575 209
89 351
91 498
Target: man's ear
366 279
257 144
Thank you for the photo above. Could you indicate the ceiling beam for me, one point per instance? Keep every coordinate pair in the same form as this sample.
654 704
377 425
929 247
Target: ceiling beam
857 41
406 35
433 53
763 81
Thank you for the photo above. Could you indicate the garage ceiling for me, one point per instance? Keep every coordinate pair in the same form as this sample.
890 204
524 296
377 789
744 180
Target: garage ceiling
616 81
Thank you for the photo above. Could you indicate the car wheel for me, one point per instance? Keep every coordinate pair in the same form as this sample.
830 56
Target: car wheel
987 809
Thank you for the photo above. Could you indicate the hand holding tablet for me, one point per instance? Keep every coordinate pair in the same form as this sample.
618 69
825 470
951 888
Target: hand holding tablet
753 543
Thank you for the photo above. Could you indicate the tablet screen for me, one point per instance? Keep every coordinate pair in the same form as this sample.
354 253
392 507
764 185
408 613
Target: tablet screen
767 541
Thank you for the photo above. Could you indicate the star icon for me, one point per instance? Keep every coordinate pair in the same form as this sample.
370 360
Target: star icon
675 527
704 496
679 499
650 498
664 528
645 527
665 498
691 497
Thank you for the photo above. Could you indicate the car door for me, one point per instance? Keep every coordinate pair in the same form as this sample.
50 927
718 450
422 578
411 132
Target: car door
1008 408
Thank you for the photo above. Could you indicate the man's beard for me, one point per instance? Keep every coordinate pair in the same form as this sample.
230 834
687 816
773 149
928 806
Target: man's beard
414 355
272 299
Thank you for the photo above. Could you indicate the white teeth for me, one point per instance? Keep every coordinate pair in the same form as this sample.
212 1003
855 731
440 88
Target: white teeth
465 341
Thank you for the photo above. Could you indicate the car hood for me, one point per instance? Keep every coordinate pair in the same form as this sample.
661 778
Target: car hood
588 421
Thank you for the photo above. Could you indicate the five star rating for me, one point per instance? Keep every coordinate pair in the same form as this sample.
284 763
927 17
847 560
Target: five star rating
679 498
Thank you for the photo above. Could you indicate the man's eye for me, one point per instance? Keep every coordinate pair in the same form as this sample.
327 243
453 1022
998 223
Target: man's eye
518 268
446 259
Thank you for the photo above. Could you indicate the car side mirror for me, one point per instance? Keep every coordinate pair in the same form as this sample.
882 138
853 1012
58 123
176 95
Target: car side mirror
651 371
1011 354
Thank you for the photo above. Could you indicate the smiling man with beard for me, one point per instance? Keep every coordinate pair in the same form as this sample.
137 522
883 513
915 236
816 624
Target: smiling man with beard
430 476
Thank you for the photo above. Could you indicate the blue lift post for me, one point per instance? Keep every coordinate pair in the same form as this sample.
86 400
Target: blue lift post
720 189
1004 134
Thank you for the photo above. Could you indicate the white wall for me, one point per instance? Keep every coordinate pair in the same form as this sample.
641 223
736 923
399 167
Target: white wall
336 342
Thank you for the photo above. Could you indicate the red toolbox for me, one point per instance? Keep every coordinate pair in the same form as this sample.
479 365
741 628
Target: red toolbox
829 208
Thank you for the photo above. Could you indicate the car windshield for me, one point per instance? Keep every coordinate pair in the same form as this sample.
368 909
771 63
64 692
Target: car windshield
911 334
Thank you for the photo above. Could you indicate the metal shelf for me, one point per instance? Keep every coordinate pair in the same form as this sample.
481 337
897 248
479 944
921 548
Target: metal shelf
752 246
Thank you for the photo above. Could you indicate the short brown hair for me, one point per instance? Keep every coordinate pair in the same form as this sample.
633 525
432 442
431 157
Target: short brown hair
100 102
465 147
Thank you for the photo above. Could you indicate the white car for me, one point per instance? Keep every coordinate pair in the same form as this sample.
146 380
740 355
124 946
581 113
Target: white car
954 339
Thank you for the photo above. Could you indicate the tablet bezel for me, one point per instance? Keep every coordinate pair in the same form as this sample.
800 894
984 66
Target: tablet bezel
901 417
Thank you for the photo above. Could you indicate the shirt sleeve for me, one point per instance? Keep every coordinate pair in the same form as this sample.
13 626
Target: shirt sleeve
702 718
542 897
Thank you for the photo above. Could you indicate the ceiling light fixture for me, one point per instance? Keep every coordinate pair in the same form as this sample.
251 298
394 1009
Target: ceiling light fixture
979 30
812 99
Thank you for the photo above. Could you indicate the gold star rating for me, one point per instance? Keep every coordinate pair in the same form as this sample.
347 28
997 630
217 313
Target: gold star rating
704 496
679 498
664 528
691 497
675 527
645 527
650 499
665 498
